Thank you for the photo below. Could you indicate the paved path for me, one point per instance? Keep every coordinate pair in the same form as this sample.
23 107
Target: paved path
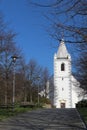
45 119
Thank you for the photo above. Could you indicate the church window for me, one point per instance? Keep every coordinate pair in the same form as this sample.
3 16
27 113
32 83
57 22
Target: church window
62 78
62 67
62 89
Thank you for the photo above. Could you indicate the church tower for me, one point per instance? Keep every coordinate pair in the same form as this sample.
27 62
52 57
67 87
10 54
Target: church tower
62 78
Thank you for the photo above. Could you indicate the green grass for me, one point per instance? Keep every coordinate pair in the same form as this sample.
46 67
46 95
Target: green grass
6 113
83 113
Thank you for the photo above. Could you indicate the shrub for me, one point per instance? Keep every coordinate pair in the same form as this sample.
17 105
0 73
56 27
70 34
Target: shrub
45 100
82 103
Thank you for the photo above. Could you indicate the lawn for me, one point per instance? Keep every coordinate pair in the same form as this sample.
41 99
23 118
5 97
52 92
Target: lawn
83 113
6 113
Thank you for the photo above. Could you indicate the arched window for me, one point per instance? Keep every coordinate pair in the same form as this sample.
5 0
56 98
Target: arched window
62 67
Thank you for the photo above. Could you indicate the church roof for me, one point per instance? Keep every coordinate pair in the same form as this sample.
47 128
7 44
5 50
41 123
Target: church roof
62 50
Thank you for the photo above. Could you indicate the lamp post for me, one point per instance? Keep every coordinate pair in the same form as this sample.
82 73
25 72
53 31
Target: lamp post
13 96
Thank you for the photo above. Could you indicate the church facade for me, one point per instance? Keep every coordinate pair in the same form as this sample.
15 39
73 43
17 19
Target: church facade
65 85
63 91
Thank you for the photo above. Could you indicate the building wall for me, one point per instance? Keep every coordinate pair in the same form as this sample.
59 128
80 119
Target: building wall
62 83
66 87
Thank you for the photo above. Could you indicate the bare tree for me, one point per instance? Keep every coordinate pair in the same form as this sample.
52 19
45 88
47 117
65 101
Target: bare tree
8 48
69 16
34 71
81 72
23 85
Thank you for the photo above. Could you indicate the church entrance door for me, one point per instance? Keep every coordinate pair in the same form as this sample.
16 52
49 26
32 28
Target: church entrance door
62 105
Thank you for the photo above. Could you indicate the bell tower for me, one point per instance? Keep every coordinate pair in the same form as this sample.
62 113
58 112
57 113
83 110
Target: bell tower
62 78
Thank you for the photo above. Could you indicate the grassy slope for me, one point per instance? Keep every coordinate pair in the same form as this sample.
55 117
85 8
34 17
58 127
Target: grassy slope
83 113
5 113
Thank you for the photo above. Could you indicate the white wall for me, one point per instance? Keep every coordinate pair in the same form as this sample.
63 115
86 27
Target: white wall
62 90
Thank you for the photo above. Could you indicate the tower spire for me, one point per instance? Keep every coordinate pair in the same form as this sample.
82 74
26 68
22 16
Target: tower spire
62 51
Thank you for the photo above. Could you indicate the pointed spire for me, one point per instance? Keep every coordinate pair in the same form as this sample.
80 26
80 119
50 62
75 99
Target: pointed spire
62 50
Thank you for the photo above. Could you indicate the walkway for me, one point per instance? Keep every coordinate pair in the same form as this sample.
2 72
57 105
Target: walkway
45 119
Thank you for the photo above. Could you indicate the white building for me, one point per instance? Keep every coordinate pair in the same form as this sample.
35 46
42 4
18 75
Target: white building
45 92
66 92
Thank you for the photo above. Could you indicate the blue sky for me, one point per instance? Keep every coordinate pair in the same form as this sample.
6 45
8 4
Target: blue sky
31 25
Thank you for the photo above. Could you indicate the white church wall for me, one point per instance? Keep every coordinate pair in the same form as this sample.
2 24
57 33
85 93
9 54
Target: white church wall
62 82
65 85
74 98
57 68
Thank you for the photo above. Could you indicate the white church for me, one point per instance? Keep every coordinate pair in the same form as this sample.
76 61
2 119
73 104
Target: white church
66 87
65 92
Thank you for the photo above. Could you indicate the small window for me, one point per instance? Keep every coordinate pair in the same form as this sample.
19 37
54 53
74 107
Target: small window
62 78
62 89
62 67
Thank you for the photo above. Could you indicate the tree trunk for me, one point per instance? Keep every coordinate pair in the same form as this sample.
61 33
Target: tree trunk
6 92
